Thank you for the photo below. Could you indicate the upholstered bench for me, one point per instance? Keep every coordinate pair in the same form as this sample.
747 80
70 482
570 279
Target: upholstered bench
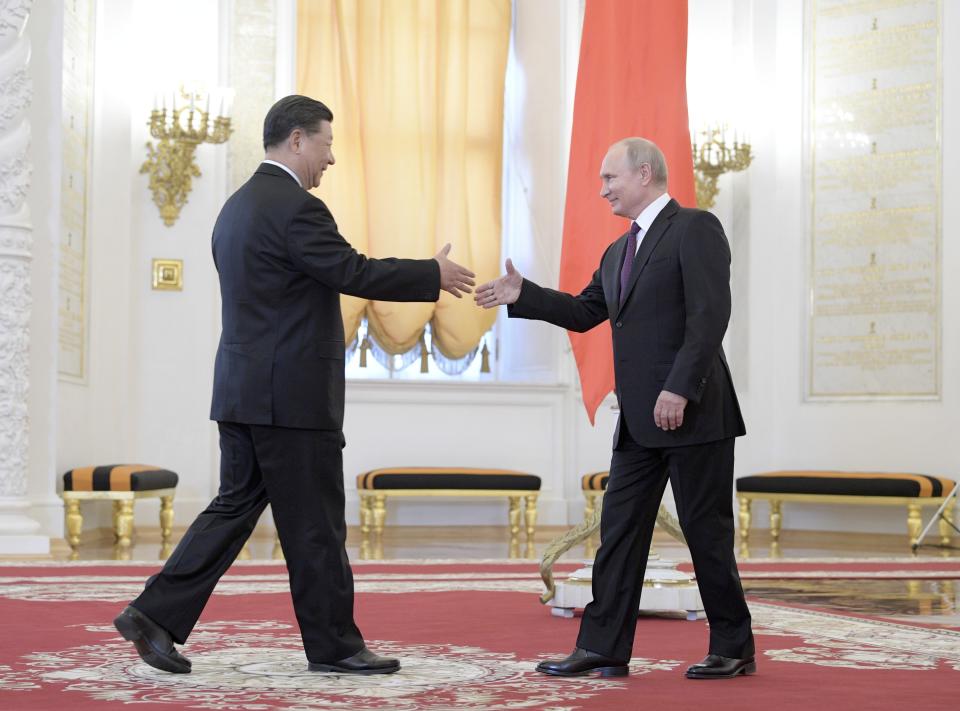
593 486
832 487
377 485
122 484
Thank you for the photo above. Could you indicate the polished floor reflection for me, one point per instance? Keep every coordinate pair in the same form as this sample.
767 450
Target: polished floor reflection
929 601
488 542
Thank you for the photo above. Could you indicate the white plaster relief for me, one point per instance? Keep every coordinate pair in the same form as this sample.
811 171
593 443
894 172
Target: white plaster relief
16 94
15 304
15 242
13 18
14 181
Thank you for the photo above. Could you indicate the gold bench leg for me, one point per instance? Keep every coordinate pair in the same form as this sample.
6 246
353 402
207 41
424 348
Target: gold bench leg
944 524
513 513
366 516
744 519
914 522
74 520
123 523
591 506
379 513
116 520
590 543
277 553
775 520
166 518
530 515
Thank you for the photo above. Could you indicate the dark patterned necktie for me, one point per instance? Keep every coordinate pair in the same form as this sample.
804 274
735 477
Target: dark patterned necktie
628 258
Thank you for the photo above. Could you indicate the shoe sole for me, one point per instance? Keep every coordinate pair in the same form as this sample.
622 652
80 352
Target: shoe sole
603 671
333 669
748 670
128 630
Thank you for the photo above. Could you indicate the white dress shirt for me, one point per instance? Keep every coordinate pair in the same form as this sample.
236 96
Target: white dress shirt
281 165
646 218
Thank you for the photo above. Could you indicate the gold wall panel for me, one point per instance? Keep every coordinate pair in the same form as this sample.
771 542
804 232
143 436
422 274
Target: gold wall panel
873 154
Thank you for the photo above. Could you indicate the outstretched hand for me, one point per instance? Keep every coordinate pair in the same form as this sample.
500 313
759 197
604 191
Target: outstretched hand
505 290
453 278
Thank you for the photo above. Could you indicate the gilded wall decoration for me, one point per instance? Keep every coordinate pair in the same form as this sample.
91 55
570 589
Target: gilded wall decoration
874 152
77 97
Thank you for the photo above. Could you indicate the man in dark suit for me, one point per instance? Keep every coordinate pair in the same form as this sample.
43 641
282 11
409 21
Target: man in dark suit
278 399
665 288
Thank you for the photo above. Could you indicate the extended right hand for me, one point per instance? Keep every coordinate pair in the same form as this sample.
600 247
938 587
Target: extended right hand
505 290
453 277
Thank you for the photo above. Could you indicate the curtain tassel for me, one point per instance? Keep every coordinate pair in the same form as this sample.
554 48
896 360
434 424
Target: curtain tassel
485 359
424 353
364 347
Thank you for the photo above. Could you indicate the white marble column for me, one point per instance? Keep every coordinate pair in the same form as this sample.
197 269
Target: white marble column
18 532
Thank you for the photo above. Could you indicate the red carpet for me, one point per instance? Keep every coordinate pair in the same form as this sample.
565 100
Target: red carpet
468 637
818 568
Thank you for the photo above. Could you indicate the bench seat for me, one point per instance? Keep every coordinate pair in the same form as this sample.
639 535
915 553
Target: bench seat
838 487
376 486
122 484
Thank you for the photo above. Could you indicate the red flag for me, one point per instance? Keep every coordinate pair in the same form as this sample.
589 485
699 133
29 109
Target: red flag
631 81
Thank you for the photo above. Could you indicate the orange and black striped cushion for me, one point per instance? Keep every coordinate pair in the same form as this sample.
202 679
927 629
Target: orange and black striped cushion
119 477
595 482
447 478
845 484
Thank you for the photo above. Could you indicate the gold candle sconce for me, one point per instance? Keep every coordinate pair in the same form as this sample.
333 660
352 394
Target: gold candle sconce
714 154
179 129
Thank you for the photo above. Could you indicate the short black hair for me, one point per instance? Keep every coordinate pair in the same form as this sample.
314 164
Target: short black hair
292 112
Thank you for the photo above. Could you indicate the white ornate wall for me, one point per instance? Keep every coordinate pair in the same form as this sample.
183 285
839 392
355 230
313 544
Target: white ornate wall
768 203
151 353
18 532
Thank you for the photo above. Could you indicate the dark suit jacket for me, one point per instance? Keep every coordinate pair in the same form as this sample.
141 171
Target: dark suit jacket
667 335
282 266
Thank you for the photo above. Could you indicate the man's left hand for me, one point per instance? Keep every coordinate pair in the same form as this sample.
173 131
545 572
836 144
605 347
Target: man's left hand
668 412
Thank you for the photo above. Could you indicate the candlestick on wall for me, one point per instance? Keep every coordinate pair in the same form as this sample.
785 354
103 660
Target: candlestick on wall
170 164
714 154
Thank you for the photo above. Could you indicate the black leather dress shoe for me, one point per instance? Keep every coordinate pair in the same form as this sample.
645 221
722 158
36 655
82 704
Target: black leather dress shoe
582 662
363 662
714 666
154 644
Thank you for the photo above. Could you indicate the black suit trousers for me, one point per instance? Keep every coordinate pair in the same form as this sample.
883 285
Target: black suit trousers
300 474
702 479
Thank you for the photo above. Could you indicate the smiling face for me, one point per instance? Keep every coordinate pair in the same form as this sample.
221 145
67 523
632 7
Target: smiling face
628 190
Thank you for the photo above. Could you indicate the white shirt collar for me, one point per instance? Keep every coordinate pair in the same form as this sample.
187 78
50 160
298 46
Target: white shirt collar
649 214
281 165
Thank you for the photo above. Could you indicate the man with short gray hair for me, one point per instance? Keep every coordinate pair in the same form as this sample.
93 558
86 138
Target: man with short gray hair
665 288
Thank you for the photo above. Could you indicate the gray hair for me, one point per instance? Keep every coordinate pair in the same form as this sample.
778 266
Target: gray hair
640 151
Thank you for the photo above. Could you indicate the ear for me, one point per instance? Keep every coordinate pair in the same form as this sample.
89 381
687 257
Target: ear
646 173
295 139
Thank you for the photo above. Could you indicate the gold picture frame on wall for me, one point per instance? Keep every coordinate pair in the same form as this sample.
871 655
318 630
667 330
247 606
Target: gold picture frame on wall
168 274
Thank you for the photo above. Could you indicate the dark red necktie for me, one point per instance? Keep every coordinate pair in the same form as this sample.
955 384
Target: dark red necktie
628 258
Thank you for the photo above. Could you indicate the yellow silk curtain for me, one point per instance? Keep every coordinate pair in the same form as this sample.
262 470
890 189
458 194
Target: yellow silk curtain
416 89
